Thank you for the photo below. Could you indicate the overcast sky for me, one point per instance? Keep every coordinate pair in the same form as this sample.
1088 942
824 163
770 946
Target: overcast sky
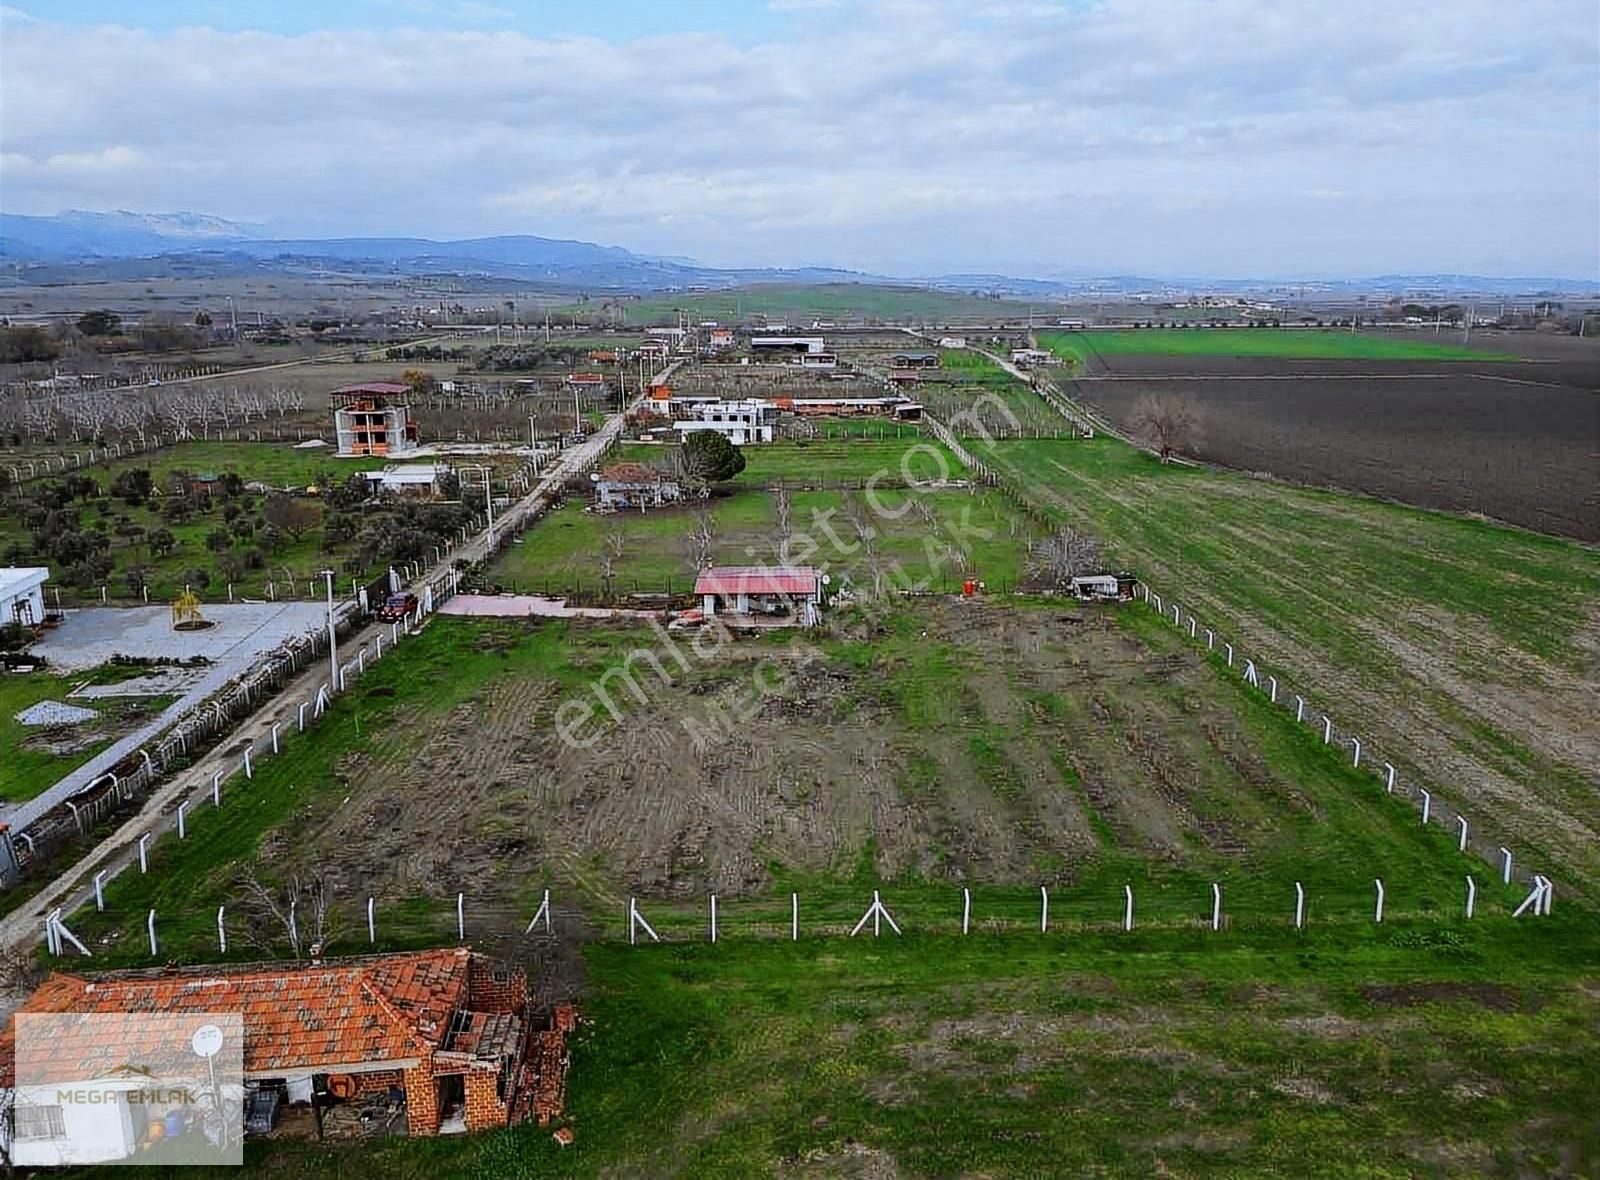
1166 137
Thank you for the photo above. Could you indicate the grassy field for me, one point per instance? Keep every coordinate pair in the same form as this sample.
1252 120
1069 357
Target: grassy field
1462 651
1425 1045
276 464
27 766
1270 342
800 305
564 554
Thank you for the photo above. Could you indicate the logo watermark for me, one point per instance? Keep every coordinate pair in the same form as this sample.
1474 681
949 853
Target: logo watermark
126 1088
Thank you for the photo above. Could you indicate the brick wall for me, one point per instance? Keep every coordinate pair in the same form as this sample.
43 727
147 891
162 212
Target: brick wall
487 994
378 1082
484 1108
422 1100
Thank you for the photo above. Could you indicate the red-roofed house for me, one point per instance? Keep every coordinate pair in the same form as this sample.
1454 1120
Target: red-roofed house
792 592
446 1033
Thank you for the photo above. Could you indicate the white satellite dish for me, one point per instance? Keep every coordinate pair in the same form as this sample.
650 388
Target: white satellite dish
207 1040
594 476
827 579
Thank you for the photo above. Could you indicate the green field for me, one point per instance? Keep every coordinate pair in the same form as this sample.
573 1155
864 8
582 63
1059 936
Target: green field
166 574
800 305
1318 344
1455 647
1405 1048
25 767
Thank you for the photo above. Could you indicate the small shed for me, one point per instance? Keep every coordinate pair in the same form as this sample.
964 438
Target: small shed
623 486
22 594
783 593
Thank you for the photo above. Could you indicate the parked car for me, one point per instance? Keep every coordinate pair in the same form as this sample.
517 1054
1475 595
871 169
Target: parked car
397 607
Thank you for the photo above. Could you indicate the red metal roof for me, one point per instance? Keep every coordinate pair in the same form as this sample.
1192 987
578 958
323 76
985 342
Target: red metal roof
759 579
384 387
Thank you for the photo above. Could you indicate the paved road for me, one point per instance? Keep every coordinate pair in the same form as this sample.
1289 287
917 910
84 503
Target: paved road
74 886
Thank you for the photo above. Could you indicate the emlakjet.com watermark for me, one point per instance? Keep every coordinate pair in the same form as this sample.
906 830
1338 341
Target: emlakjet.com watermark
126 1088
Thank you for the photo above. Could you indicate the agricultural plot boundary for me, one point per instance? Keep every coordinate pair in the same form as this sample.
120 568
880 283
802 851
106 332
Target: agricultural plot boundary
1430 808
434 593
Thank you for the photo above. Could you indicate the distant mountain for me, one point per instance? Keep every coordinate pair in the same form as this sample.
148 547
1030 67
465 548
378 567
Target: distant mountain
77 234
54 249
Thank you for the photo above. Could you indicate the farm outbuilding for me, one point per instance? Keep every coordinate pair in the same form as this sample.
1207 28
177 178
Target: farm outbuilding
791 593
624 486
420 1043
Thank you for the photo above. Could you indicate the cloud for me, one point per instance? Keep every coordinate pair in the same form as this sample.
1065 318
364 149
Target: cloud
1236 137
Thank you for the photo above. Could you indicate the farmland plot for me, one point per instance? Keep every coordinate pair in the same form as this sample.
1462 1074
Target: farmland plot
1465 651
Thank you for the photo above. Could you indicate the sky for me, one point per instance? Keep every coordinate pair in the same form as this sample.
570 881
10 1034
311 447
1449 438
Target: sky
1224 138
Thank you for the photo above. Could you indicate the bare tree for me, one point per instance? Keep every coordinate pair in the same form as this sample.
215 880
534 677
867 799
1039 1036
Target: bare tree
616 541
702 536
1166 421
295 912
1063 555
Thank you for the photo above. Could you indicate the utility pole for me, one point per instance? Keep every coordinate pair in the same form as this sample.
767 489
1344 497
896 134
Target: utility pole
533 438
333 638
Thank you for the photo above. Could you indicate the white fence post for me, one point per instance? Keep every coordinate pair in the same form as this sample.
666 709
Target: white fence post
372 924
1378 916
1229 646
99 891
966 909
216 789
1388 782
274 737
150 925
222 932
1299 906
713 918
1299 707
1127 909
461 917
1461 822
182 807
1216 906
1044 910
144 843
1355 759
1272 691
302 716
1472 895
794 917
248 771
1505 864
1427 804
1327 729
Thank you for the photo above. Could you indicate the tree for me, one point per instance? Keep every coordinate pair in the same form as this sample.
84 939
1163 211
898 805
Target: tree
290 514
1165 421
26 343
161 541
218 540
99 323
202 319
708 457
132 487
420 382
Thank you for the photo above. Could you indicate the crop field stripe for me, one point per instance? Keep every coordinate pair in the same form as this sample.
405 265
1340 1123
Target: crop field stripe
1278 342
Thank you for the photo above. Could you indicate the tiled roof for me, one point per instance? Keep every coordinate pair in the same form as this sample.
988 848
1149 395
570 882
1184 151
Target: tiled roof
296 1015
384 387
758 579
631 473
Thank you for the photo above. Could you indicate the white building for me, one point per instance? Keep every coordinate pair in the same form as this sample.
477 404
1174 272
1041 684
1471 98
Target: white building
740 422
22 594
413 478
952 342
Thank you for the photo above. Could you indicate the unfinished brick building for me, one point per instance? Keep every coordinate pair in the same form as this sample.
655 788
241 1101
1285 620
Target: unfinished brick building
447 1036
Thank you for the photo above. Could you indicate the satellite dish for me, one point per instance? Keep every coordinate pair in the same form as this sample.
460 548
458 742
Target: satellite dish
207 1040
827 579
594 476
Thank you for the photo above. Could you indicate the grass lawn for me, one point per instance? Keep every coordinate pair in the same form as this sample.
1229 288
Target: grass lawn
1425 1045
25 768
1457 647
1278 342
